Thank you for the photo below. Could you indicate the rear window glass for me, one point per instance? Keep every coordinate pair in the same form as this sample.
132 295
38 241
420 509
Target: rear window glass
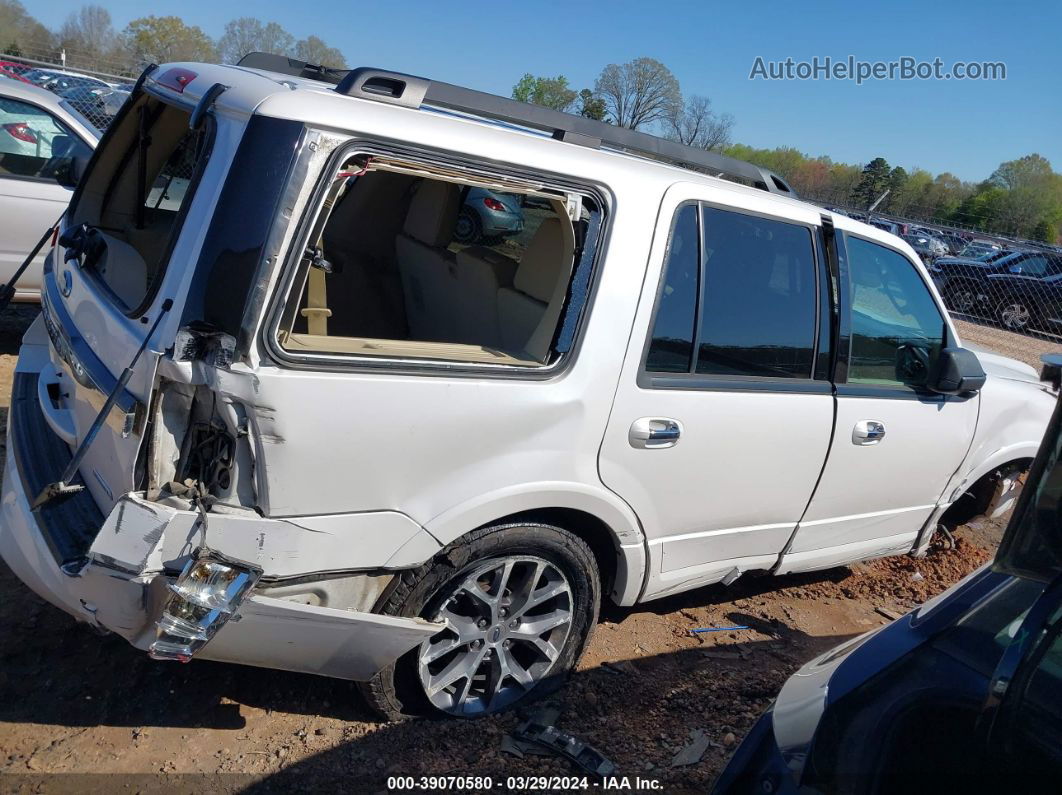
136 196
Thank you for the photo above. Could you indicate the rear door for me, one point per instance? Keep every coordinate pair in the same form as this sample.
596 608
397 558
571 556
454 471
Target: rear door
896 444
100 304
36 150
723 414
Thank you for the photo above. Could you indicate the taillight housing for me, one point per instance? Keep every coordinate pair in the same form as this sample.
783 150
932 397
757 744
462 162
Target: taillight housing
493 204
177 78
21 130
206 595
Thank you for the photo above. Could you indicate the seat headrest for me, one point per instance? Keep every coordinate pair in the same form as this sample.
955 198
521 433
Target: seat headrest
548 255
433 213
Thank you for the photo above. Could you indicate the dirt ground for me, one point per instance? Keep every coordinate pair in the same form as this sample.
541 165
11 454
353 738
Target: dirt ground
80 712
1017 346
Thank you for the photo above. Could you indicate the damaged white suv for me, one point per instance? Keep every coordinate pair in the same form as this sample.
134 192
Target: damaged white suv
278 410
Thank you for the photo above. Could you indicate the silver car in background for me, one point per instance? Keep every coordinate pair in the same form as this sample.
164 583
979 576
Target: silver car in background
44 142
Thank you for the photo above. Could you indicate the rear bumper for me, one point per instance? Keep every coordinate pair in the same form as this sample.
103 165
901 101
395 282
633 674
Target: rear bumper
118 568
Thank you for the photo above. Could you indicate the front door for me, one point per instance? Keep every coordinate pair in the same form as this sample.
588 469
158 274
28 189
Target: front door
896 444
720 428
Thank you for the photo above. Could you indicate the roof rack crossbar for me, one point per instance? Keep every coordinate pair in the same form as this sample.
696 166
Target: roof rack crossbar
380 85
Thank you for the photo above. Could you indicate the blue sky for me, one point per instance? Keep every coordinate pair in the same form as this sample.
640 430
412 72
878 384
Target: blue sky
965 127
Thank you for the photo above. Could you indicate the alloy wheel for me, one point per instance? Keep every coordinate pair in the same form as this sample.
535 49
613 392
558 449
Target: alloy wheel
506 624
1015 315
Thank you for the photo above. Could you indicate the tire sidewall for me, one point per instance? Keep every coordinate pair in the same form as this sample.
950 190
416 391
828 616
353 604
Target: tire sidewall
474 226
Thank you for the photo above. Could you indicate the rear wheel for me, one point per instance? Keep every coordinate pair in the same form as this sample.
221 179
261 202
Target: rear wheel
468 229
1015 314
519 603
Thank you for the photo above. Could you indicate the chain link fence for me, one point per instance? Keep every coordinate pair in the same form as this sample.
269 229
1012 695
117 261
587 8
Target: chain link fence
1005 283
97 95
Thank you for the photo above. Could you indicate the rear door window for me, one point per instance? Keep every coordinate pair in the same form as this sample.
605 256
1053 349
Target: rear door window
671 344
757 315
737 299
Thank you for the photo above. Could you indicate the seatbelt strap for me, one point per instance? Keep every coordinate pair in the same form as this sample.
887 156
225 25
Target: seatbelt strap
316 311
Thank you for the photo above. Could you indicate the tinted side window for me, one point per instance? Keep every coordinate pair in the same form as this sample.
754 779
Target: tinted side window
1033 266
897 331
757 313
35 144
672 341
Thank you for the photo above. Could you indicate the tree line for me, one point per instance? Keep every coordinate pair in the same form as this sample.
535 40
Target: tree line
1021 198
639 94
90 40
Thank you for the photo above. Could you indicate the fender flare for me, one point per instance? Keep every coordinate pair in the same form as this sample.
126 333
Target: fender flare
628 537
997 458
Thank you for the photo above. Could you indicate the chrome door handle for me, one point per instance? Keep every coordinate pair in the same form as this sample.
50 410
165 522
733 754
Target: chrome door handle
868 432
654 432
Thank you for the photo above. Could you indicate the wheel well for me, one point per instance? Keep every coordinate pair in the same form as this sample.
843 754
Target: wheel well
976 499
597 535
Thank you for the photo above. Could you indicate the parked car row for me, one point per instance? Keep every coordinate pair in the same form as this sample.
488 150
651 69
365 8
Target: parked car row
94 98
1016 284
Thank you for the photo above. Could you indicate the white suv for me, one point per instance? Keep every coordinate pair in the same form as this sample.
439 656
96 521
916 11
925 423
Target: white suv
357 447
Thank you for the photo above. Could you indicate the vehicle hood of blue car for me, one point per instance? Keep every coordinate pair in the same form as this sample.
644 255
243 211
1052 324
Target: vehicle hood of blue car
825 680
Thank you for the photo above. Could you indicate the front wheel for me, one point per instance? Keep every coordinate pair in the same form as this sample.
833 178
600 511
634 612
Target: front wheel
961 298
518 602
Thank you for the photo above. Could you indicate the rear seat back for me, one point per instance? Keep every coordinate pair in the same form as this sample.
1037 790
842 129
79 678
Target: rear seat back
529 310
481 272
428 270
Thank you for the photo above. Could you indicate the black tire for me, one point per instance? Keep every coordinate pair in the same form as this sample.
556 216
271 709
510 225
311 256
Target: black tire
1017 314
468 229
961 297
396 691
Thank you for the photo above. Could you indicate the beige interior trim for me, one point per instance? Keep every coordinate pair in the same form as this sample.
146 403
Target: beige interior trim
316 311
401 349
460 177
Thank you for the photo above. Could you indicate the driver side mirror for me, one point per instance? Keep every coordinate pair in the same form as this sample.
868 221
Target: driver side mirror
76 170
956 371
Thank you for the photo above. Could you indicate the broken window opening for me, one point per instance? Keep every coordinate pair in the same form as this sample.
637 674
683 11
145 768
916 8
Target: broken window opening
411 260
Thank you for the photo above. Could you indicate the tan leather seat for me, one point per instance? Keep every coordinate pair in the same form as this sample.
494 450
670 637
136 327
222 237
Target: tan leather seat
528 311
481 272
428 270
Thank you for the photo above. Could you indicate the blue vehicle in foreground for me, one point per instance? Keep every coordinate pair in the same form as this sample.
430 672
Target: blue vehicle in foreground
963 694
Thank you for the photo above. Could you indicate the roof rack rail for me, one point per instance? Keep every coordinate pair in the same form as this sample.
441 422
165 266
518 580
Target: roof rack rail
270 62
409 91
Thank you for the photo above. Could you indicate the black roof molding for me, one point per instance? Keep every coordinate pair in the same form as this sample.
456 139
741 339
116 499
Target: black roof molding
268 62
395 88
